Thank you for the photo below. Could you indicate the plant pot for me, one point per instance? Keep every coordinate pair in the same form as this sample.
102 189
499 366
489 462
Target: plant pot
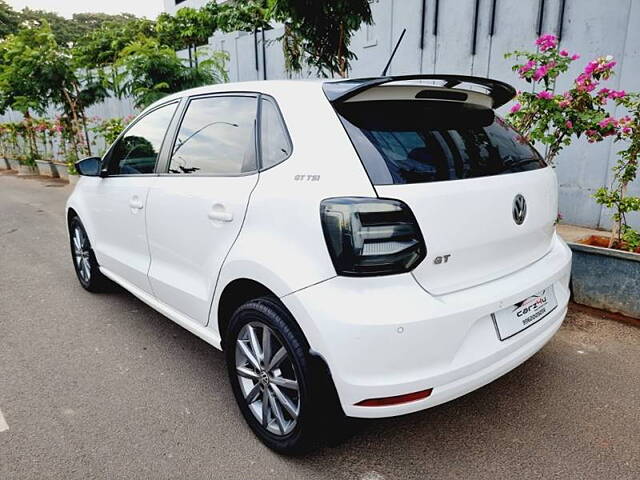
13 164
47 168
63 171
73 179
606 278
27 170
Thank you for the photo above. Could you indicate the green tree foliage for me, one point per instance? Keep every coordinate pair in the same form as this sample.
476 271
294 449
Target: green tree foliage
69 31
243 16
99 50
154 70
59 25
82 24
102 46
188 28
319 33
36 72
9 19
30 68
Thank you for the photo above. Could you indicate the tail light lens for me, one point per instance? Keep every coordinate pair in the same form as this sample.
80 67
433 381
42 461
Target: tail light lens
371 236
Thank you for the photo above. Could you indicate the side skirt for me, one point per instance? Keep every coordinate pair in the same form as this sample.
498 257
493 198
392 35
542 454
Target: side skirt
185 322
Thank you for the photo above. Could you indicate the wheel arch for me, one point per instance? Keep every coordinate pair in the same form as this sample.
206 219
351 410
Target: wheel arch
234 294
71 214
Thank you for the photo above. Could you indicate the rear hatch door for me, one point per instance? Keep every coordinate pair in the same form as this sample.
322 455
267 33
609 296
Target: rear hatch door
484 199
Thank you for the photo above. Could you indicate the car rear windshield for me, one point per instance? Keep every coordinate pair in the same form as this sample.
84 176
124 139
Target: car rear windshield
415 141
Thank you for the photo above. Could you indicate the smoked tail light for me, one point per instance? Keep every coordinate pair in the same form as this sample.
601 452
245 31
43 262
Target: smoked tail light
371 236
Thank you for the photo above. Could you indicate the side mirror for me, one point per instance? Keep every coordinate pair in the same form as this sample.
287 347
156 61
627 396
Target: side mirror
89 167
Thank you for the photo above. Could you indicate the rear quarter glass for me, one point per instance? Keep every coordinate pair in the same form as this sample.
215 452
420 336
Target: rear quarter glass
421 141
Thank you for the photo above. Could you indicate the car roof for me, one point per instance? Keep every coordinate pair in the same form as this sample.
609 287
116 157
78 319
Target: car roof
269 87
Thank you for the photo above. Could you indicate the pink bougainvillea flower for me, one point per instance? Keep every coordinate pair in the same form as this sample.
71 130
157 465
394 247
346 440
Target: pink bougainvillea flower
564 103
547 42
613 94
575 56
516 108
569 124
585 83
526 67
564 53
543 70
539 73
545 95
624 121
608 122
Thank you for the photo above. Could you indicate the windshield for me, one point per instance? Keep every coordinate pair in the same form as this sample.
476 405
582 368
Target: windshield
412 141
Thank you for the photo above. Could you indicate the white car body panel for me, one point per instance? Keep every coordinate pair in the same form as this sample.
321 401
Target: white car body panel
187 252
117 223
380 336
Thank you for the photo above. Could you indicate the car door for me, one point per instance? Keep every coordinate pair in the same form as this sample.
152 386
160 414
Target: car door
197 207
118 201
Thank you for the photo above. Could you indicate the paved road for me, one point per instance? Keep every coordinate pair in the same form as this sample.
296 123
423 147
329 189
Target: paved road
101 386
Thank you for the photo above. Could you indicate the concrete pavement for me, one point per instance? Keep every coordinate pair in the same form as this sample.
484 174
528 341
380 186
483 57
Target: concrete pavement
102 386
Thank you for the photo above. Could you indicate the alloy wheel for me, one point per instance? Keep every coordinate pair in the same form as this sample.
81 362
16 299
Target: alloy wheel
81 252
267 378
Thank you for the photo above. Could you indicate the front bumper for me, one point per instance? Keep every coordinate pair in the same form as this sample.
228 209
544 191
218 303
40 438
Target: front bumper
386 336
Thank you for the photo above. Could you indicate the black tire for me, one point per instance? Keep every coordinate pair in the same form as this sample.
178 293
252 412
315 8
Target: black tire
318 405
95 281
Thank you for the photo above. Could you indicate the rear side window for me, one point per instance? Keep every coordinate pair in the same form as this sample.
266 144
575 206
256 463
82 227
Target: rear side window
216 137
403 142
136 152
274 139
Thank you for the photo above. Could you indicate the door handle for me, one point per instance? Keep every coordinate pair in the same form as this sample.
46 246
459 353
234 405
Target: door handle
219 214
136 203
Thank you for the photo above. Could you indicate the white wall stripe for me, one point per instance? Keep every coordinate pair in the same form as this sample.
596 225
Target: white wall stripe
3 423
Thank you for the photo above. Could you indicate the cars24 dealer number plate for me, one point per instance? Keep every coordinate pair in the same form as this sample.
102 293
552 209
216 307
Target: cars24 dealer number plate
512 320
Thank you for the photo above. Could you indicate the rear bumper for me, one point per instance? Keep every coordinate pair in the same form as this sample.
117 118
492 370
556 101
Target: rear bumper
386 336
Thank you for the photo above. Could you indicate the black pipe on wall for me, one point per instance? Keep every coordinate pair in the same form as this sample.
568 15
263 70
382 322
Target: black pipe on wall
492 23
561 19
474 37
540 17
422 22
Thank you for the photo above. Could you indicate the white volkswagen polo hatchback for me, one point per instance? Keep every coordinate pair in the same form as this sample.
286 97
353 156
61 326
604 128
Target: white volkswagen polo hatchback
366 247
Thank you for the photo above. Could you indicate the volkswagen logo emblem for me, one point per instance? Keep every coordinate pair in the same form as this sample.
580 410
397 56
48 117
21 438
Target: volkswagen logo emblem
519 209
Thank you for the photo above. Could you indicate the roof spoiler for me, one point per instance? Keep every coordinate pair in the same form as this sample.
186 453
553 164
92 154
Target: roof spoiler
336 92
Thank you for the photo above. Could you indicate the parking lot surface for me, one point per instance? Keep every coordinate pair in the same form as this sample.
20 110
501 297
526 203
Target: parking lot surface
102 386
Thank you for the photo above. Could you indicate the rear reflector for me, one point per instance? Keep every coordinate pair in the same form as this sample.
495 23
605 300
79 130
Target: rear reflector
386 401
